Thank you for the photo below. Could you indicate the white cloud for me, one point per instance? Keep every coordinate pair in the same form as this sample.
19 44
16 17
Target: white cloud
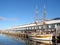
8 19
2 18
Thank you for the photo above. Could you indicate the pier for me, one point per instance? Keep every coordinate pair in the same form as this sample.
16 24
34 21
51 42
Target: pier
15 33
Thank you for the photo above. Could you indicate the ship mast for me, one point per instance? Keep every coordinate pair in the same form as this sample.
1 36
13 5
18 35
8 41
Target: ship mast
44 19
36 18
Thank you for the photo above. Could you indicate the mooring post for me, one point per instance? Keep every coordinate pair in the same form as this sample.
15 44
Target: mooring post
56 35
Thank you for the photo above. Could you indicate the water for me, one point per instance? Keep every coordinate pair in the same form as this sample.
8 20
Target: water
14 40
5 40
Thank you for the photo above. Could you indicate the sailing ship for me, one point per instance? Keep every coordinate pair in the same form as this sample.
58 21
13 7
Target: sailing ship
43 35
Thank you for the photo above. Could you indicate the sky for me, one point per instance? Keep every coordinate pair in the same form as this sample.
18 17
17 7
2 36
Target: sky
20 12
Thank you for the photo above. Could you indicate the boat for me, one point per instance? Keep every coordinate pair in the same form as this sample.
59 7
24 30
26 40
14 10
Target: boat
41 35
47 37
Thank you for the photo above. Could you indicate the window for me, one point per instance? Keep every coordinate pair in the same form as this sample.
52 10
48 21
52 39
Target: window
35 27
39 27
32 27
29 27
55 25
58 24
49 26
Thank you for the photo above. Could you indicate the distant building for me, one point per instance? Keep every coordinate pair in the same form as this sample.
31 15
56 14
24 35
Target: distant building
51 25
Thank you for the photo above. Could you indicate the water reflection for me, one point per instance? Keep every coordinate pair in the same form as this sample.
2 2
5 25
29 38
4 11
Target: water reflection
30 42
5 40
16 38
37 43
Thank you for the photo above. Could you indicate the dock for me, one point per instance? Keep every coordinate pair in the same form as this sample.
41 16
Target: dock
18 34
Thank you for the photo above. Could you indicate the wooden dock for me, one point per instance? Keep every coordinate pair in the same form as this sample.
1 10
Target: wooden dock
18 34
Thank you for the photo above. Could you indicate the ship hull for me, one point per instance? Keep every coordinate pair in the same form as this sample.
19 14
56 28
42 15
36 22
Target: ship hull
42 37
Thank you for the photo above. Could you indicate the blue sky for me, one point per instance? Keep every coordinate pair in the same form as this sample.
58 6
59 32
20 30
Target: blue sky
19 12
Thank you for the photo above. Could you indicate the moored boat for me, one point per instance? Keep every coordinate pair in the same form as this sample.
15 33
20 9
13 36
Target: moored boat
43 35
47 37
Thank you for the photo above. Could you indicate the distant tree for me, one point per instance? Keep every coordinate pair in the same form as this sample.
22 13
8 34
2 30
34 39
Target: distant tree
56 18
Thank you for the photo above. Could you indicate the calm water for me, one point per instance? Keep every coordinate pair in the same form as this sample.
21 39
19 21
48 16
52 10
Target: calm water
13 40
5 40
